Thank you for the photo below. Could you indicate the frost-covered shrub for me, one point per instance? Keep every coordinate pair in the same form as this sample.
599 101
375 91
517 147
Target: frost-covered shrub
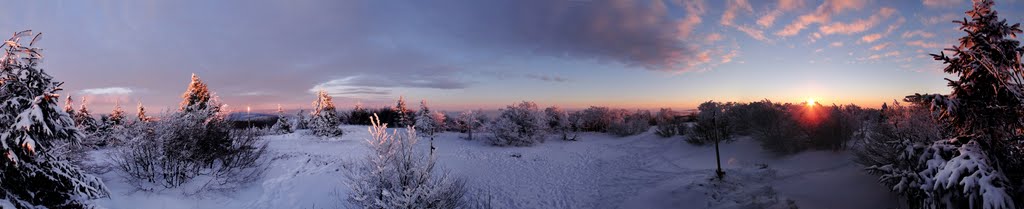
31 125
557 121
595 119
397 175
667 125
712 124
518 125
775 126
324 122
470 121
625 124
195 141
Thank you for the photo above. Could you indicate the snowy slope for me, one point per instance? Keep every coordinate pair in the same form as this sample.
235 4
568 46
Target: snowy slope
599 171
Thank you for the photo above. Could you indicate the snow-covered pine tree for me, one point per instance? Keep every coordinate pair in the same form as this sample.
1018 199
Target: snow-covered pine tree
983 162
31 123
282 126
84 120
300 120
141 113
359 115
405 116
116 117
428 122
69 106
196 97
324 120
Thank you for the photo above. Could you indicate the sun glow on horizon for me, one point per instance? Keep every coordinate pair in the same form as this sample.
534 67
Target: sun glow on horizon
810 102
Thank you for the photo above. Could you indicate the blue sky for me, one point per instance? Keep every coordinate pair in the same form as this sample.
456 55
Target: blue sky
460 54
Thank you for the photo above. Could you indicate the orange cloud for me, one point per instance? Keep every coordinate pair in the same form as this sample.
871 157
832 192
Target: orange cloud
694 10
821 15
871 37
732 7
784 5
752 32
923 44
836 44
880 47
857 26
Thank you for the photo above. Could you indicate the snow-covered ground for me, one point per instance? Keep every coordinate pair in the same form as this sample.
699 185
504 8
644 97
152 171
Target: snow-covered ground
599 171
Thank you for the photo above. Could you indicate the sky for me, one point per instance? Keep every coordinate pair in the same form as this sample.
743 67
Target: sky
468 54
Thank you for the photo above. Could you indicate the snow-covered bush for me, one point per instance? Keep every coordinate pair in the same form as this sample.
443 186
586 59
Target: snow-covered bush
595 119
324 121
397 175
195 141
625 124
282 126
667 124
32 123
712 124
982 115
471 121
518 125
882 140
774 125
557 121
301 123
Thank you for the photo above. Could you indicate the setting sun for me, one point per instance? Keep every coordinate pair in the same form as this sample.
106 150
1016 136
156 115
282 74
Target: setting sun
810 101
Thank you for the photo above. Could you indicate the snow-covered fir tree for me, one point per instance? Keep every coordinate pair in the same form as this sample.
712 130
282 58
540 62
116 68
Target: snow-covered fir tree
324 120
84 120
31 123
69 106
405 116
197 96
141 113
982 164
282 126
428 122
300 120
116 117
359 115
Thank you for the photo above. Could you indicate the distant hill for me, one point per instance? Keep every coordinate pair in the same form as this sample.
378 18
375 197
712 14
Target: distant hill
256 120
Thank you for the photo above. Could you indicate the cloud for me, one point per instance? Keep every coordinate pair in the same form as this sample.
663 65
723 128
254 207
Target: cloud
941 3
821 15
423 80
922 44
752 32
836 44
880 47
783 6
944 18
733 7
920 33
728 57
871 37
547 78
108 91
857 26
714 37
694 9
